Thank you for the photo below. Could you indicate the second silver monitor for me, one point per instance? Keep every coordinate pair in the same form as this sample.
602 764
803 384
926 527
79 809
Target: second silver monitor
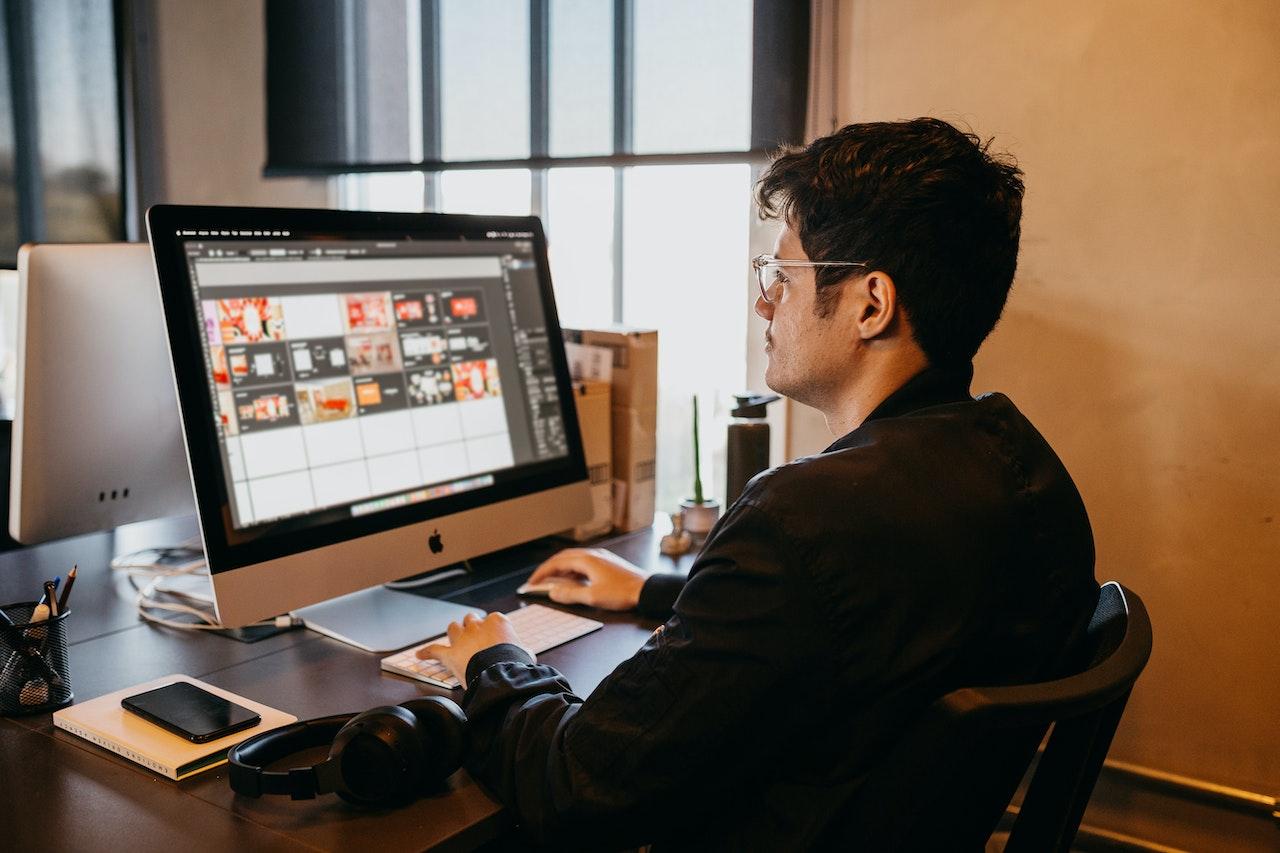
96 436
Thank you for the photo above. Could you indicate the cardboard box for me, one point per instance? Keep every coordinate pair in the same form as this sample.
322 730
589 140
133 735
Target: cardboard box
635 362
634 377
594 421
635 453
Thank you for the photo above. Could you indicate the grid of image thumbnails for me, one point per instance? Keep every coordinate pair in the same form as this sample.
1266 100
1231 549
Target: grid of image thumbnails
332 398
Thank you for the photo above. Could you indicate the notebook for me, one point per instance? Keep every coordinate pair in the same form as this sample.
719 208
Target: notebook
102 721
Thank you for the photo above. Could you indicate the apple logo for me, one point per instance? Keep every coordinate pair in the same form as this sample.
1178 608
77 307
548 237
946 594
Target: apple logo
435 543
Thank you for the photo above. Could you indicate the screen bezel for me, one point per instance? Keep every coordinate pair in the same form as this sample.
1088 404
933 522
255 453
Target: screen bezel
228 548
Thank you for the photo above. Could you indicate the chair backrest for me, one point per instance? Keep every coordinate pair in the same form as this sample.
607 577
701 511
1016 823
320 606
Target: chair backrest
948 780
1089 706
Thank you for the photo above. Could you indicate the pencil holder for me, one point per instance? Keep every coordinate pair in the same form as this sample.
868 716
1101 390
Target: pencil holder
34 675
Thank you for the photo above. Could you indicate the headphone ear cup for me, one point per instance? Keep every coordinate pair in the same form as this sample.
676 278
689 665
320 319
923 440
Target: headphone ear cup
380 757
445 736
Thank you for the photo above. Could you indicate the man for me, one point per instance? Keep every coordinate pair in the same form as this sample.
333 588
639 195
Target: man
938 543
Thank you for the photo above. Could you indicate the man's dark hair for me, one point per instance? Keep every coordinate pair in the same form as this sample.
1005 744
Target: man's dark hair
918 199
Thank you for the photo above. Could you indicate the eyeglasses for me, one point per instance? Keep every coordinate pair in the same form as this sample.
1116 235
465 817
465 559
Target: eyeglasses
770 277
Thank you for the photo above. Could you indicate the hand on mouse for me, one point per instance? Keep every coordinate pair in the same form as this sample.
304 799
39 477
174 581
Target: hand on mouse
592 576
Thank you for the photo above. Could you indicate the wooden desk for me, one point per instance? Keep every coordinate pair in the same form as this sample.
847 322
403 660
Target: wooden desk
58 791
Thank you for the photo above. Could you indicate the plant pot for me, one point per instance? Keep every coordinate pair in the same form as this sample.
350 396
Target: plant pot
699 518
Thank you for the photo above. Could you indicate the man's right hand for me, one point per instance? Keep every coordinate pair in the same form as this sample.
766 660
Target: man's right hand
591 576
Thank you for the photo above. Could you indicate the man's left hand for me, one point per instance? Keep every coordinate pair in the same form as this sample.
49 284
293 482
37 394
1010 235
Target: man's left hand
467 638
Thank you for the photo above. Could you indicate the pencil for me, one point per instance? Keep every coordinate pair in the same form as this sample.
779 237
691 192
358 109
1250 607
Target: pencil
66 590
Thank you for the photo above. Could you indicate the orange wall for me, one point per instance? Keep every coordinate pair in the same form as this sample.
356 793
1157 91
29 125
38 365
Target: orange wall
1143 332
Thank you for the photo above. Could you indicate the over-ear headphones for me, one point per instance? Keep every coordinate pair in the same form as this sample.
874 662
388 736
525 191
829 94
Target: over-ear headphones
380 757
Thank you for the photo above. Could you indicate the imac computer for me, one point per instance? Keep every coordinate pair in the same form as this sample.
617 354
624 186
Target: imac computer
96 439
364 397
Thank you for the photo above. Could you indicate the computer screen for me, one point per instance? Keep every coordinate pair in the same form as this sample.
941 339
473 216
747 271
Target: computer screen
345 374
355 377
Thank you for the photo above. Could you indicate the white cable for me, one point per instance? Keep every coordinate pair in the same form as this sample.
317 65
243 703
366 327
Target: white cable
162 561
155 565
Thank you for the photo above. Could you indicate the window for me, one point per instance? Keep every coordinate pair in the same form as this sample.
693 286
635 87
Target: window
630 127
60 154
484 57
703 51
581 78
689 226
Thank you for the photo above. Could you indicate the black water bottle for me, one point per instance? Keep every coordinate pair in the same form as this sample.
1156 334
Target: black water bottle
748 451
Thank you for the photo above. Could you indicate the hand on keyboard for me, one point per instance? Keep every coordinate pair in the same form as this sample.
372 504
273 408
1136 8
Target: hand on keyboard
539 628
468 637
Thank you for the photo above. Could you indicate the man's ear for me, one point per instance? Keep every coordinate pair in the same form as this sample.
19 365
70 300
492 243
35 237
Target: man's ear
877 304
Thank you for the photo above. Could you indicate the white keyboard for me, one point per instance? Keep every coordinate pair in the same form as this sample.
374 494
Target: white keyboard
539 628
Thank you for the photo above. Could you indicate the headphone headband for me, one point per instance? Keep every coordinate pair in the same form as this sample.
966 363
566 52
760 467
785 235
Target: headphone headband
379 757
247 759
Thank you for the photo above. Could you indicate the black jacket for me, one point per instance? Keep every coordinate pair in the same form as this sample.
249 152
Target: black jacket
941 544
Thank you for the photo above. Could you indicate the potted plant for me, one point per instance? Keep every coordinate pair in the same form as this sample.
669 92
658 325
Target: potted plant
699 512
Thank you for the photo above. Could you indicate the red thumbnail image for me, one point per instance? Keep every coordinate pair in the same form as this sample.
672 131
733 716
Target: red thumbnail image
474 380
239 365
250 320
321 402
408 310
376 353
221 376
266 409
227 413
368 311
463 307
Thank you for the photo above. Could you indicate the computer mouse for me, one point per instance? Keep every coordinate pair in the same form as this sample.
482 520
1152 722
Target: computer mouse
543 588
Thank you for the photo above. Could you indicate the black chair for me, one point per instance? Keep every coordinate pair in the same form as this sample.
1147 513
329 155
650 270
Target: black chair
926 795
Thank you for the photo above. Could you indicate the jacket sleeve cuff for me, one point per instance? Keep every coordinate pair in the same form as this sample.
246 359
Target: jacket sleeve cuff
659 594
501 653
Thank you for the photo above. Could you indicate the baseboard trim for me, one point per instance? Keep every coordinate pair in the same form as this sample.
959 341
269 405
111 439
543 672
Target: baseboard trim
1237 799
1094 838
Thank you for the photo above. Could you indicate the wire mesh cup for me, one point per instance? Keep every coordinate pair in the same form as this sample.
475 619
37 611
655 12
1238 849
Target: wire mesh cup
34 675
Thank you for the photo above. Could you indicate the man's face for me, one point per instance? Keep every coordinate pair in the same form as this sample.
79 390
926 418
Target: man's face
808 355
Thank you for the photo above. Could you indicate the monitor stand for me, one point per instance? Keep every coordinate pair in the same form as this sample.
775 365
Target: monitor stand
381 620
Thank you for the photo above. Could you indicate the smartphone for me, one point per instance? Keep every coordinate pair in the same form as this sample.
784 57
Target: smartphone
190 712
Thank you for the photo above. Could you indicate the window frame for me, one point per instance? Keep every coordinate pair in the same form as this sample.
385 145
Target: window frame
779 36
777 25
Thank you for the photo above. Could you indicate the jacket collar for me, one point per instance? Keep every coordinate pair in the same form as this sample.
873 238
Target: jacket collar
932 386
